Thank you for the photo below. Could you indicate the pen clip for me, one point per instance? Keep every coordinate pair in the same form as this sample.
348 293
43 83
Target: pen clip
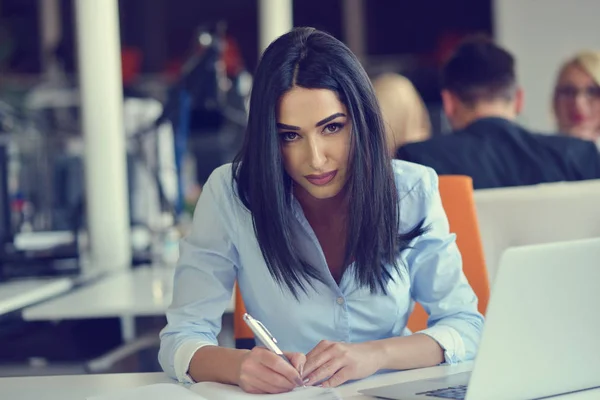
266 331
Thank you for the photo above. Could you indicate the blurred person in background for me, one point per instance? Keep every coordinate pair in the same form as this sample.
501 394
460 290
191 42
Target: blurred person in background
577 97
404 113
482 100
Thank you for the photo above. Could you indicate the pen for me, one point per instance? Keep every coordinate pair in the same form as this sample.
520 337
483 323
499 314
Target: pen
266 338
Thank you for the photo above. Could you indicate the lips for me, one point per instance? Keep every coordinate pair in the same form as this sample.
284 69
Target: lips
321 180
576 118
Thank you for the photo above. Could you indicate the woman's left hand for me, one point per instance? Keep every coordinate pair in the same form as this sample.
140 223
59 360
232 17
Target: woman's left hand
341 362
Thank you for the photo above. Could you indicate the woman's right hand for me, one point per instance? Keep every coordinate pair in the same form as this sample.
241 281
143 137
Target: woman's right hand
262 371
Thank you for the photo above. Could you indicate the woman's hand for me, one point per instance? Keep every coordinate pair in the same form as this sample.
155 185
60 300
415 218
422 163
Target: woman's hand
340 362
262 371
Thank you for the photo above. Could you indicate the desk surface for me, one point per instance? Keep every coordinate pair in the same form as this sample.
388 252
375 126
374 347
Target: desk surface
78 387
17 294
142 291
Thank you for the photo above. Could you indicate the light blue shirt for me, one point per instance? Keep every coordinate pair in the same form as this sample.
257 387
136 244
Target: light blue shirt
222 248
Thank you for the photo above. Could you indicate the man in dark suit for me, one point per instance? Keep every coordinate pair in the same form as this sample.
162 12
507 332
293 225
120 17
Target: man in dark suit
482 99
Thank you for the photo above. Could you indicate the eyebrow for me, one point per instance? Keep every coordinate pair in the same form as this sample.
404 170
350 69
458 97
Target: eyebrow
320 123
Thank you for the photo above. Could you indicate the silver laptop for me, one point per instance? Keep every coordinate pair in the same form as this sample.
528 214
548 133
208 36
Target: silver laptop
541 333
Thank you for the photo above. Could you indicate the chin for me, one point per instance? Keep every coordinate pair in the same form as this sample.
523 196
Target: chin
323 193
582 132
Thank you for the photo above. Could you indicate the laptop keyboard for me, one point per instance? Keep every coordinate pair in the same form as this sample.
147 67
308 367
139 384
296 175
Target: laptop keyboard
453 392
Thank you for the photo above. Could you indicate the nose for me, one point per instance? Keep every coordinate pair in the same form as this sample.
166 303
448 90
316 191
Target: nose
581 102
317 153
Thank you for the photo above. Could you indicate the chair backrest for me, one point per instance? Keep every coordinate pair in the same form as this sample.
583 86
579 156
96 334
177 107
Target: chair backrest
524 215
241 332
457 198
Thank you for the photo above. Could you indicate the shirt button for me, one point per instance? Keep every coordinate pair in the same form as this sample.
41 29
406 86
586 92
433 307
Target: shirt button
340 300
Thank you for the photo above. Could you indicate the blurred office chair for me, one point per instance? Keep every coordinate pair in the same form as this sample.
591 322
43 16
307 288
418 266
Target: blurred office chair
244 338
524 215
458 201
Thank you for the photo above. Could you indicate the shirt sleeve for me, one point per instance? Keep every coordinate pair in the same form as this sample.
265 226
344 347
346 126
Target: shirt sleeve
437 279
204 278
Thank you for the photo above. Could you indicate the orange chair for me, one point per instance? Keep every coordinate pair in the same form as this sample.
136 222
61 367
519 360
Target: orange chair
457 198
244 338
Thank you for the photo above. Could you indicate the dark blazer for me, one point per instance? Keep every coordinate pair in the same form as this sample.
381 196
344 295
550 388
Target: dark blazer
497 152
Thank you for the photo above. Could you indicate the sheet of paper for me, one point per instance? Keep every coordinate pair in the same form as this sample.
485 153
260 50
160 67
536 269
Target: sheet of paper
217 391
159 391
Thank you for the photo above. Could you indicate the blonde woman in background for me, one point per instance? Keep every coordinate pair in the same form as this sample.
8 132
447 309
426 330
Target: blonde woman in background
577 97
403 111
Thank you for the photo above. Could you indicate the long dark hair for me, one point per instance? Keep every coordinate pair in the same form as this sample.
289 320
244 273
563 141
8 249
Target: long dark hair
313 59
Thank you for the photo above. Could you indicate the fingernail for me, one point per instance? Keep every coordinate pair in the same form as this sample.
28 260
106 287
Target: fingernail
299 382
301 369
305 381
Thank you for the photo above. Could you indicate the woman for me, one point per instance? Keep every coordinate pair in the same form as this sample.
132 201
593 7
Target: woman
404 113
577 97
329 241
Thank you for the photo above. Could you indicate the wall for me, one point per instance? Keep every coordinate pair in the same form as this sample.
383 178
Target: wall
541 34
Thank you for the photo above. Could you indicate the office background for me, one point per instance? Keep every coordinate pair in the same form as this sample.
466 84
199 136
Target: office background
84 285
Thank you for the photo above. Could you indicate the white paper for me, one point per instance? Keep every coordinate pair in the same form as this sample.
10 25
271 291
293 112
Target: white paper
213 391
159 391
218 391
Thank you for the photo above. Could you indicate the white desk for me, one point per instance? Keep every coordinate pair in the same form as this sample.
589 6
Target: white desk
78 387
138 292
141 292
15 295
127 294
73 387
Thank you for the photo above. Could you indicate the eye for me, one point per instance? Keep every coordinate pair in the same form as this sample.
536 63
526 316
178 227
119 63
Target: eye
333 128
593 92
288 136
567 91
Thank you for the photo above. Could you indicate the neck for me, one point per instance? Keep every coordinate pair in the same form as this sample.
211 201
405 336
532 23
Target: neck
498 109
592 135
321 209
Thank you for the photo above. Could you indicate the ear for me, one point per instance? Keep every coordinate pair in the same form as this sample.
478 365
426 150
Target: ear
519 100
449 102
